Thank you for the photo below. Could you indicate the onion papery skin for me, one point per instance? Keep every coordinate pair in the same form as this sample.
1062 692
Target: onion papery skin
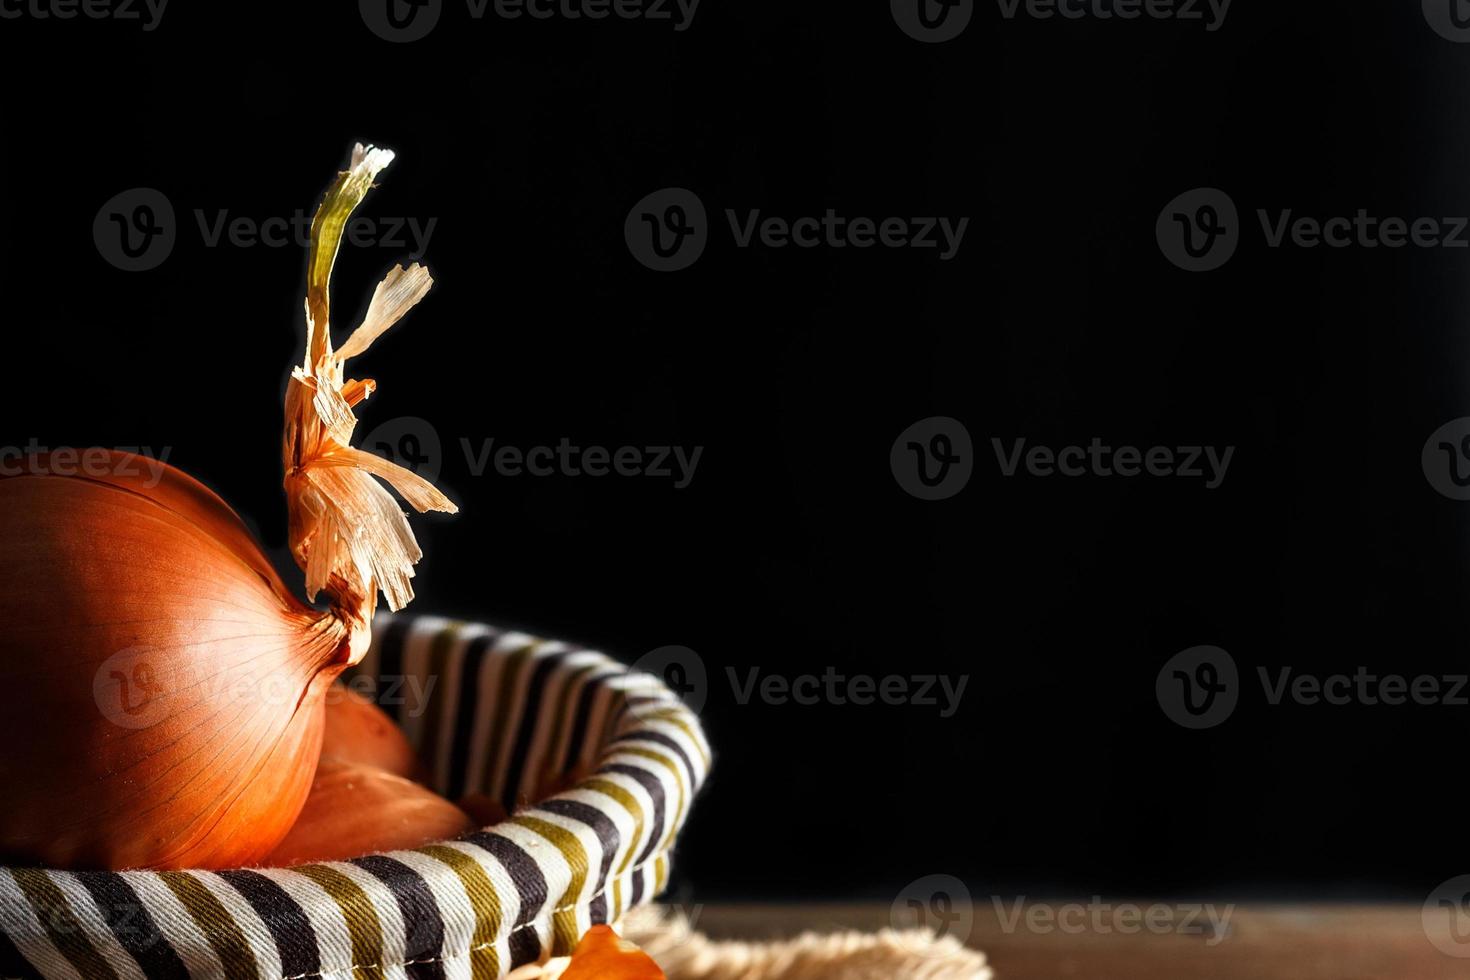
355 810
360 732
604 955
161 691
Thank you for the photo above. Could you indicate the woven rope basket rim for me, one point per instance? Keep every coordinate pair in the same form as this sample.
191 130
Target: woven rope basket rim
516 893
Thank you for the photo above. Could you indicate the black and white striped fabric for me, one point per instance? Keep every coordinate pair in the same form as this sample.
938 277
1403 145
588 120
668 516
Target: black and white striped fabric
497 713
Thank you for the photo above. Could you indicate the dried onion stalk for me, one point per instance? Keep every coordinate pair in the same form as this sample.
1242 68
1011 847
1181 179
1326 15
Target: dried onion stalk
161 689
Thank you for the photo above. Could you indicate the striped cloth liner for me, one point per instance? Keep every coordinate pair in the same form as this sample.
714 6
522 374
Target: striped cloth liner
493 712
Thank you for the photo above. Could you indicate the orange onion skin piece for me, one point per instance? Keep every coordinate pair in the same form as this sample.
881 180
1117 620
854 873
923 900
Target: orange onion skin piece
604 955
355 810
360 732
161 691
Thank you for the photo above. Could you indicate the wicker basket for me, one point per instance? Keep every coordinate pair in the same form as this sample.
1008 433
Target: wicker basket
491 712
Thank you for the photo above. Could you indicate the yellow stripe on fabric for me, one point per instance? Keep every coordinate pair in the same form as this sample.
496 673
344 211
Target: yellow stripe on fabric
438 667
630 803
679 718
617 909
61 924
678 775
363 925
484 962
660 874
564 923
501 721
215 921
562 729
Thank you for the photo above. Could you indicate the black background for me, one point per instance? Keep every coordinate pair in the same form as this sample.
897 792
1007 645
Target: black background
794 548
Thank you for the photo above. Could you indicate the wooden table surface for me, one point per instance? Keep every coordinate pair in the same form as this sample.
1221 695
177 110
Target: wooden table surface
1263 942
